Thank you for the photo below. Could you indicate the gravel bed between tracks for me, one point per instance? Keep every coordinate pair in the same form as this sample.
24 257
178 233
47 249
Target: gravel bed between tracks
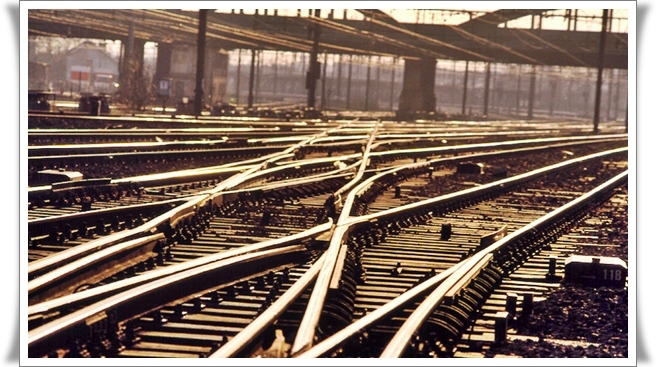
577 322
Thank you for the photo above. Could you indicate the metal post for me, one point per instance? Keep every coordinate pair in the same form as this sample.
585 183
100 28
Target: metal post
452 100
200 60
538 90
600 69
251 80
531 93
511 304
626 116
377 83
323 81
527 305
569 93
348 84
464 88
366 92
313 73
392 86
519 88
616 79
238 77
486 94
275 73
610 93
338 93
258 72
553 82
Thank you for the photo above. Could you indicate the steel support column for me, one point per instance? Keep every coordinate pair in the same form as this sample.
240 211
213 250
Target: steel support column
313 73
464 89
392 86
275 73
251 80
486 95
323 81
519 89
531 93
418 94
200 60
366 92
348 83
600 69
238 77
338 91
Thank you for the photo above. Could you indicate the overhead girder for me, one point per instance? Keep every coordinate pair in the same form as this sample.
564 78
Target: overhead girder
377 36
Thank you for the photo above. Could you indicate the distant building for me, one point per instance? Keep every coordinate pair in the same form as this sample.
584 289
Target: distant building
89 68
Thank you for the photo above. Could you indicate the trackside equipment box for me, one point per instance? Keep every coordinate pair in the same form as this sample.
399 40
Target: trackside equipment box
595 271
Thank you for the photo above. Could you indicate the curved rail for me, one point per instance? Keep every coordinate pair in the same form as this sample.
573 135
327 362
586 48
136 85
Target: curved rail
170 219
271 314
305 335
95 294
141 299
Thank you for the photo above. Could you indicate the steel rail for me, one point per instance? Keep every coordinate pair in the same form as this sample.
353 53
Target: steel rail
112 239
141 299
305 335
78 216
137 144
485 188
456 281
270 315
79 253
67 277
306 332
104 291
250 150
429 151
299 181
430 163
149 131
333 341
172 218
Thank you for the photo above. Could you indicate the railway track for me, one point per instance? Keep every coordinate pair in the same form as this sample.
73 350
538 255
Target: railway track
315 254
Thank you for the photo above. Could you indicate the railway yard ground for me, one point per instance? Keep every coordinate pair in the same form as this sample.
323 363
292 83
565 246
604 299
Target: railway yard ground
165 237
